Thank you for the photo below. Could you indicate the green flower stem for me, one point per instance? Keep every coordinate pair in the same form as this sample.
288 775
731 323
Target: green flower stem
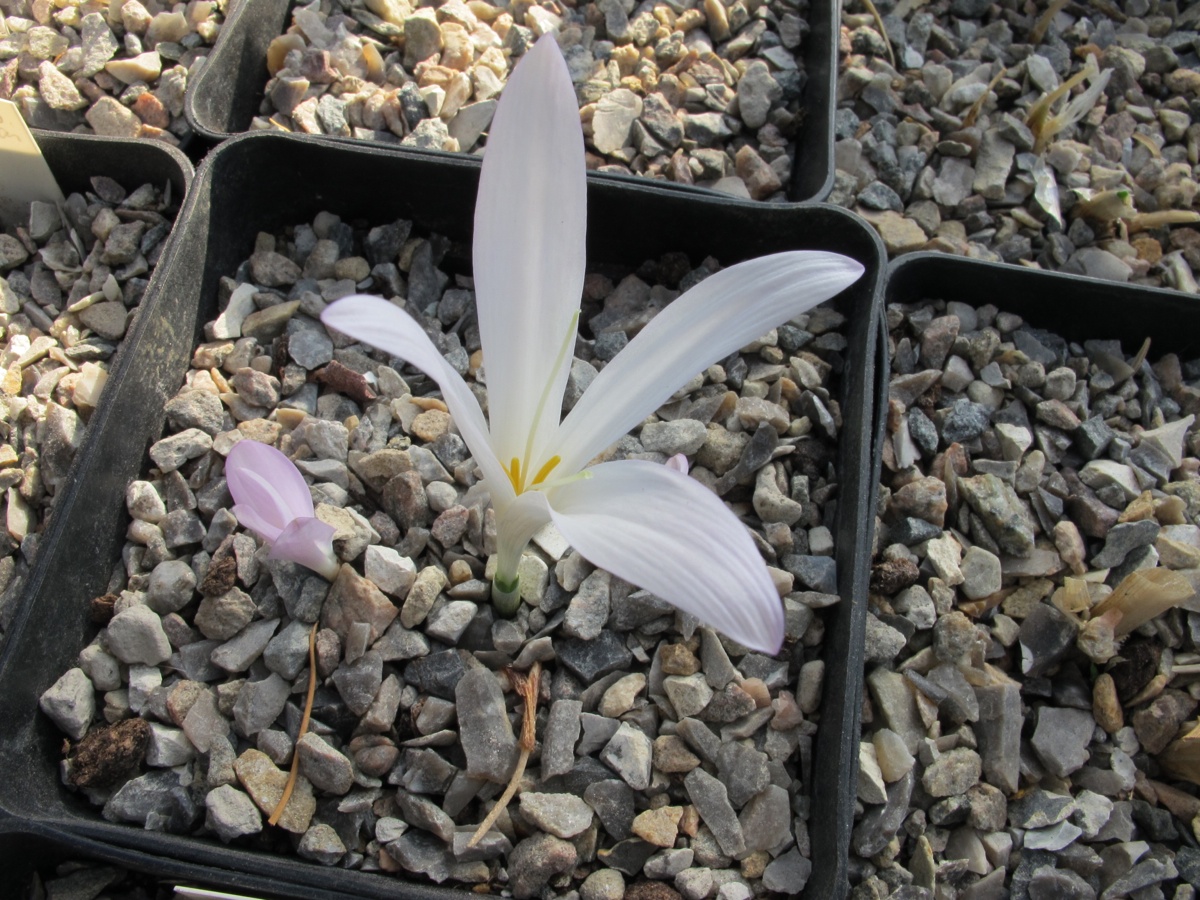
506 595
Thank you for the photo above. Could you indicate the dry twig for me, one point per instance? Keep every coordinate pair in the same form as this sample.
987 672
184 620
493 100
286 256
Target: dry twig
882 31
1043 22
308 704
527 687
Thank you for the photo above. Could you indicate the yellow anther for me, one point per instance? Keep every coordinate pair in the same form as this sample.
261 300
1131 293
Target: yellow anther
514 475
546 469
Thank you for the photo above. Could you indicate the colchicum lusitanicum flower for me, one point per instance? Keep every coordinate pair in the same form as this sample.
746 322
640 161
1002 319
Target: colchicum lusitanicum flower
272 499
649 524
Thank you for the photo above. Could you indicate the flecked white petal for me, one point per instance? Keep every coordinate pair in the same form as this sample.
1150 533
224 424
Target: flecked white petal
528 257
381 324
721 314
667 533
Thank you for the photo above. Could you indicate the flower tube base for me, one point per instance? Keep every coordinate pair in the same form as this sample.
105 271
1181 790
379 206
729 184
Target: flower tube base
506 595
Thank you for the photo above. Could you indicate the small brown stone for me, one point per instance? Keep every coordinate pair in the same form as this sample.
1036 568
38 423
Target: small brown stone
355 599
658 826
265 783
1106 707
757 688
689 822
102 608
1148 249
677 659
151 111
1139 509
183 696
1133 669
431 424
672 756
345 380
753 865
221 574
892 576
105 755
651 890
1158 723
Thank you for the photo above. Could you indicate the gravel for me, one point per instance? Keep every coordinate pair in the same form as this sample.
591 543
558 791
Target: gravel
69 289
115 70
938 150
414 724
695 93
1025 742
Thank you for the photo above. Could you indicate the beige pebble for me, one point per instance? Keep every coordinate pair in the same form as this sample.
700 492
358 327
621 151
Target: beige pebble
431 424
619 698
1106 706
659 826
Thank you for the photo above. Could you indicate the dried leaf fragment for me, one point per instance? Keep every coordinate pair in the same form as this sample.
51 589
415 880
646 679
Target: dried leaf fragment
1143 595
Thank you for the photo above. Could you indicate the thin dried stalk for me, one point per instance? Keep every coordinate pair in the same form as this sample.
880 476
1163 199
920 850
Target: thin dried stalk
1146 142
1142 353
308 704
1147 221
1044 125
977 106
527 687
1143 595
882 31
1043 22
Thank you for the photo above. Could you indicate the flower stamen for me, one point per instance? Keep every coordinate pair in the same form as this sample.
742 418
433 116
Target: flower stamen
514 475
546 469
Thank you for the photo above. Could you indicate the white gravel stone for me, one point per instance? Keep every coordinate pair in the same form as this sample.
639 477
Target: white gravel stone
70 703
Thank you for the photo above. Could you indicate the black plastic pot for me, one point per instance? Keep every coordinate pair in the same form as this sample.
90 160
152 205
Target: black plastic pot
28 849
1072 306
75 159
265 182
229 89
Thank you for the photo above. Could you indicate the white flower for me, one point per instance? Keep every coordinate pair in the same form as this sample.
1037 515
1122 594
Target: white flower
646 523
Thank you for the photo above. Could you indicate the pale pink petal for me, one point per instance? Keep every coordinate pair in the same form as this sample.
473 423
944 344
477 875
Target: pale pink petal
308 541
528 257
718 316
248 518
678 462
379 323
674 537
268 490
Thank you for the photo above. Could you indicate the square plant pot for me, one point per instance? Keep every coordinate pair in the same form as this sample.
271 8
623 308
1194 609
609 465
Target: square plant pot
29 851
267 182
1036 319
75 159
1075 307
226 96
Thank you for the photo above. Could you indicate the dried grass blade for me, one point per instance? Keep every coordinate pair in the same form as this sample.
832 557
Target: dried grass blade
308 705
1143 595
527 686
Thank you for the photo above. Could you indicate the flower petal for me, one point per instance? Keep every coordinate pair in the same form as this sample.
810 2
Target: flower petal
516 522
248 518
381 324
267 488
716 317
528 257
308 541
674 537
